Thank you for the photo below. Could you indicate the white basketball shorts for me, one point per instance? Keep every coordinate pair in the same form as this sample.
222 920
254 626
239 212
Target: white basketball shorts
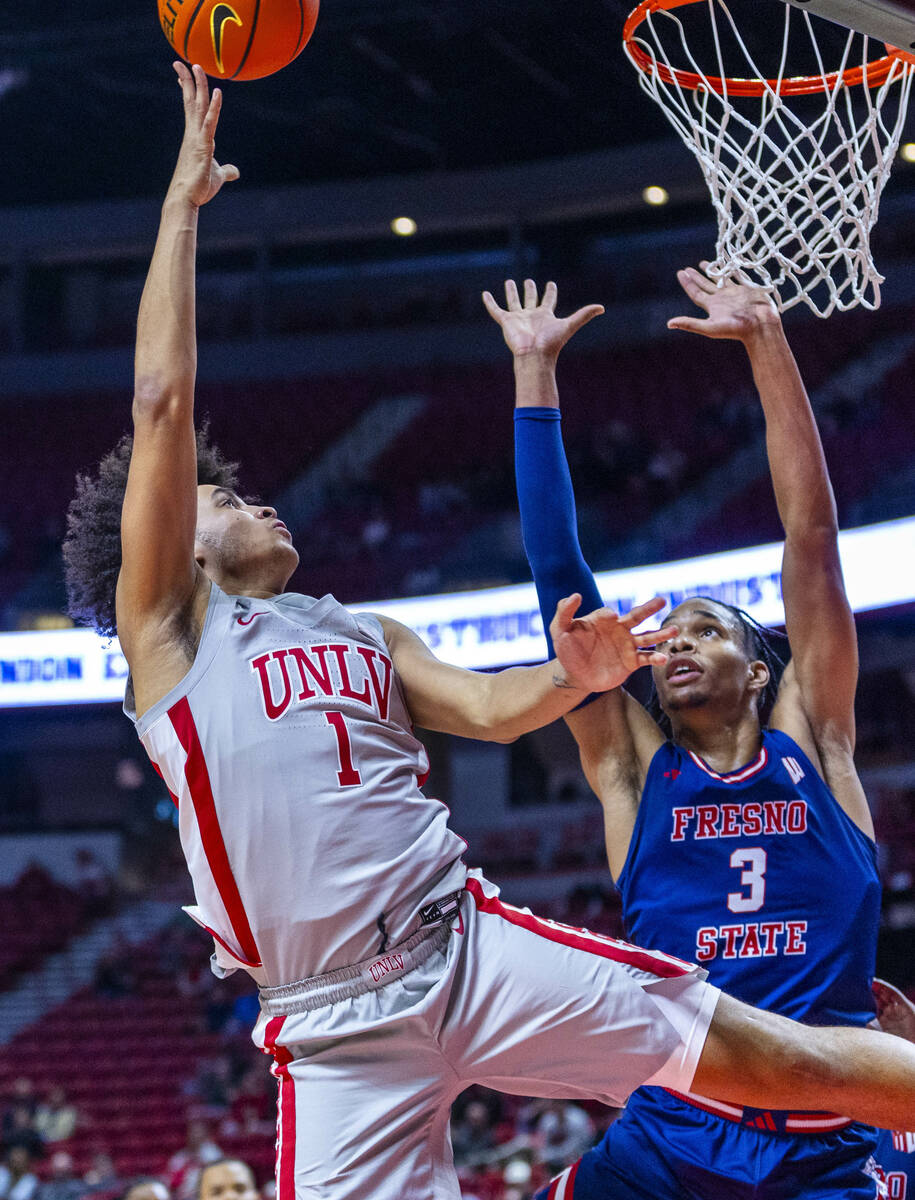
508 1000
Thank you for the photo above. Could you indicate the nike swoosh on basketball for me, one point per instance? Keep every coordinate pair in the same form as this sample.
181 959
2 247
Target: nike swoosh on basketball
218 17
247 620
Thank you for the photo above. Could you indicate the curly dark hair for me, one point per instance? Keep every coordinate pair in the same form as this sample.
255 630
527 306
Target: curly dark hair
760 643
92 546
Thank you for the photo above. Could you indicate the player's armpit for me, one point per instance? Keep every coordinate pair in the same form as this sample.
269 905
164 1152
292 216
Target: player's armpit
617 740
828 748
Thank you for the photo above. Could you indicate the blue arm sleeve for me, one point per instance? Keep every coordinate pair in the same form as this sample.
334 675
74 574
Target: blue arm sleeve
548 520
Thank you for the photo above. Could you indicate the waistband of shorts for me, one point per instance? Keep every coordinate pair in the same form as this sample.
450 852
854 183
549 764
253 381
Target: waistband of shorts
765 1119
308 995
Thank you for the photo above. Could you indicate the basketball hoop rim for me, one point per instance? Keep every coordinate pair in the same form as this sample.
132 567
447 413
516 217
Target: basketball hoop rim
874 75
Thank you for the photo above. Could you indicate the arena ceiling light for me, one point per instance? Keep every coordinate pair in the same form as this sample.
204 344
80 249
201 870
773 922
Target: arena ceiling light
403 226
655 195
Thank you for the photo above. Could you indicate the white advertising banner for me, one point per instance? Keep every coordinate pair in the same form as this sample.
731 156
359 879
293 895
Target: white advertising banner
497 627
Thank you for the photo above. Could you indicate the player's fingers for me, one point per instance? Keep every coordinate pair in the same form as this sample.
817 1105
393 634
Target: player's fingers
583 316
530 294
211 119
186 82
494 310
699 280
689 280
652 658
566 610
641 612
655 637
230 172
689 325
511 296
549 296
203 88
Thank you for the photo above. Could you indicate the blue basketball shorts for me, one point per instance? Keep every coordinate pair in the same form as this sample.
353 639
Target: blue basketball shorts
663 1148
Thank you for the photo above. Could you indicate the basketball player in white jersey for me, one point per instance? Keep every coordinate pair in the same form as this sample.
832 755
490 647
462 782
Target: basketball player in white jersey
391 977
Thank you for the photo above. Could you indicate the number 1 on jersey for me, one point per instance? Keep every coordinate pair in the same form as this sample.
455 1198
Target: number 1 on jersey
347 776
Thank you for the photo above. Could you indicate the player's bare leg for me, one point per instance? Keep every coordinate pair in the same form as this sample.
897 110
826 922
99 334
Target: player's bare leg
766 1061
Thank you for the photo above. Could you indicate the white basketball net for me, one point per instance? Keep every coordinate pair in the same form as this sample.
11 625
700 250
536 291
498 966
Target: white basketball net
795 200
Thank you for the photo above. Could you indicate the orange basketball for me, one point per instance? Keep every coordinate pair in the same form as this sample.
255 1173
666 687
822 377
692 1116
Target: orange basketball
241 39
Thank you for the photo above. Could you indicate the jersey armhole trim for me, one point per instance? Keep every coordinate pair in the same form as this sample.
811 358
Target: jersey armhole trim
210 640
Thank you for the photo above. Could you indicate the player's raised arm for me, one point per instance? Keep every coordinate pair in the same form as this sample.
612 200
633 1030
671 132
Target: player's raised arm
615 736
593 654
816 699
158 574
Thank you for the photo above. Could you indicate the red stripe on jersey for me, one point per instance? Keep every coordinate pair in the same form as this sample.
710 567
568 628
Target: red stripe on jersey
652 961
285 1112
198 781
155 767
570 1183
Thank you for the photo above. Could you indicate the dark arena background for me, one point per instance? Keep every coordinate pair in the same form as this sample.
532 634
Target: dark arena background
353 372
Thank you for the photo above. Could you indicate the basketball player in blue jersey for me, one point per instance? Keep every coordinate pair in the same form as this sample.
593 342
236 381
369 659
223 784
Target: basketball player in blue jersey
748 847
390 976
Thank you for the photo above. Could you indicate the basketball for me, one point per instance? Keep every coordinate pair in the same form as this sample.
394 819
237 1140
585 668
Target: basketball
246 39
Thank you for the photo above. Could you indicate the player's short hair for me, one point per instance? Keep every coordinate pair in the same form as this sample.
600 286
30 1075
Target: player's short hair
92 545
761 643
223 1162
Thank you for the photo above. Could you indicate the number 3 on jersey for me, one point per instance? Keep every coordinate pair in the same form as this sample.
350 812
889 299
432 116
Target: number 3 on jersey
347 776
753 877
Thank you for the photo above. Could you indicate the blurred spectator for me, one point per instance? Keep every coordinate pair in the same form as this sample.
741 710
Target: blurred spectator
17 1180
212 1083
376 530
253 1108
219 1006
665 470
195 977
115 974
22 1092
472 1135
62 1183
517 1180
20 1131
102 1173
183 1169
56 1118
245 1011
562 1133
147 1189
93 883
227 1179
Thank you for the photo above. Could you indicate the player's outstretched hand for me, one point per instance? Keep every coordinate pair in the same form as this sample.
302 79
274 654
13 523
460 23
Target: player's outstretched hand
198 176
533 327
735 310
895 1012
600 651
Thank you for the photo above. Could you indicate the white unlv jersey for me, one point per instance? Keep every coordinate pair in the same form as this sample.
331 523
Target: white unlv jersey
289 752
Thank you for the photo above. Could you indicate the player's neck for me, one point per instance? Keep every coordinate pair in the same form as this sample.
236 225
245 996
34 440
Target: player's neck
257 585
725 746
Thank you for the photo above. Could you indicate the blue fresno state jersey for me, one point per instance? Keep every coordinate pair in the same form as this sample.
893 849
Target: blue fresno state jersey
895 1158
761 877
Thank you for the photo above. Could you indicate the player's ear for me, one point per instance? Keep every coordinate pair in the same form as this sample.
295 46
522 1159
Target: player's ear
758 676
